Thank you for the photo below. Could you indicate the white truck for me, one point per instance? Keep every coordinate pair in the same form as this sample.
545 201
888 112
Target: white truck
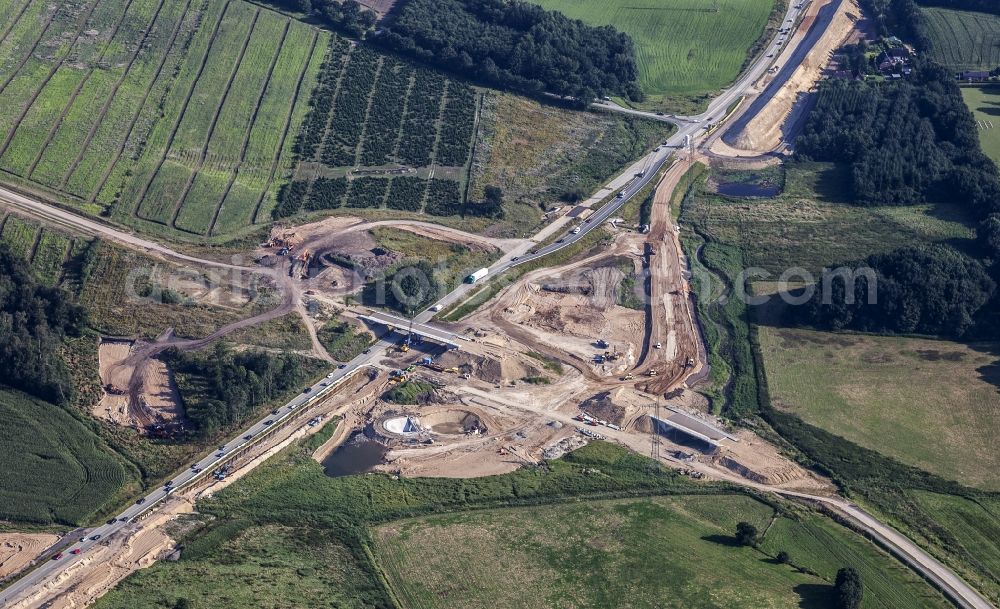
477 275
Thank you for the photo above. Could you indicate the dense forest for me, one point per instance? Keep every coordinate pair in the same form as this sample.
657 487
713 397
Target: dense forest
221 388
516 45
929 290
906 141
347 15
34 320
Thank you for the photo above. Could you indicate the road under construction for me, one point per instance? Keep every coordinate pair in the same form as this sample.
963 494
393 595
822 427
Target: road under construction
486 369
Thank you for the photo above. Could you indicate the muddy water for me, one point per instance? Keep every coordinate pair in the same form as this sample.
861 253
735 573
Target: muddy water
356 456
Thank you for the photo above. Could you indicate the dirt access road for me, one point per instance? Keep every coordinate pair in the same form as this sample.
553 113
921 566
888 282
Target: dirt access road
671 321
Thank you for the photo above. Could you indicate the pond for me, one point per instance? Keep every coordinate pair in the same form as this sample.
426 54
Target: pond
747 189
356 456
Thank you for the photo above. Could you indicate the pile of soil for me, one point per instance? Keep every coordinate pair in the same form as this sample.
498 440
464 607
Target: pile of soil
603 406
488 369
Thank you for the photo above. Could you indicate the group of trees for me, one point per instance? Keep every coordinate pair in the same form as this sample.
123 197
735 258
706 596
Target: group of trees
346 15
222 388
34 321
516 45
927 290
907 142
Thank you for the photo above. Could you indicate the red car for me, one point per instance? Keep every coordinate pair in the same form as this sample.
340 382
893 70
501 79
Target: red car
57 556
76 551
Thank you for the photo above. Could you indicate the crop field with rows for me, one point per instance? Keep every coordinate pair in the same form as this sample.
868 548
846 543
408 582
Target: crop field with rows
683 47
179 117
390 127
964 40
57 470
49 252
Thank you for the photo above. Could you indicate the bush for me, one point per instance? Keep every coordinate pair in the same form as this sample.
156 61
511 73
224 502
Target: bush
848 589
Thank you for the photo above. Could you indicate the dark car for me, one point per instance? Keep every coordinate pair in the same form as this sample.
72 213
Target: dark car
515 258
57 556
560 241
140 501
95 537
112 521
248 436
306 390
268 422
367 351
341 366
275 411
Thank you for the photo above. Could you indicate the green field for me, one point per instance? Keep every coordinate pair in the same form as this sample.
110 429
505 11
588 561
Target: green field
964 40
985 105
179 116
973 526
932 404
662 552
55 468
559 536
813 224
683 47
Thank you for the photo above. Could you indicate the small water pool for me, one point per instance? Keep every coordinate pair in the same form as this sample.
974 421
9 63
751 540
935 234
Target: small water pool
356 456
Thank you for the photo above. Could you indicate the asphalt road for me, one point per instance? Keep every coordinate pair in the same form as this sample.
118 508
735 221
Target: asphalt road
695 127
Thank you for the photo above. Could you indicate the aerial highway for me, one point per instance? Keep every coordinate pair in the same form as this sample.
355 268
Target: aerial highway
626 186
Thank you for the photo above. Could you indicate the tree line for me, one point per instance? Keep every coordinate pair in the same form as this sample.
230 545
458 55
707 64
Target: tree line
34 321
347 15
516 45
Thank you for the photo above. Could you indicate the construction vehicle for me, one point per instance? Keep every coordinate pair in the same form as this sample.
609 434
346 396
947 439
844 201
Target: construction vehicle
651 372
628 377
689 363
602 344
453 369
404 347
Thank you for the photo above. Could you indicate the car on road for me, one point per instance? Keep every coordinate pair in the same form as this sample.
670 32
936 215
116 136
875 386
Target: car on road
140 501
249 436
95 537
367 351
659 114
341 366
112 521
436 308
515 258
75 551
560 241
57 556
275 411
269 422
307 390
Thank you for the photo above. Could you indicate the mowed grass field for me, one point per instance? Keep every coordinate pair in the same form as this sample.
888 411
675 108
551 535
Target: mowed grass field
985 105
658 552
179 117
928 403
974 526
964 40
683 47
55 468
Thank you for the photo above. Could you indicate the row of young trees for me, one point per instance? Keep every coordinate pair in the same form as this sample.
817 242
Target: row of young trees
34 321
516 45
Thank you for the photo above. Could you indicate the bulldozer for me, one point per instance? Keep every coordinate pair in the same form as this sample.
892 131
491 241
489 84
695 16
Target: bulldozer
651 372
628 377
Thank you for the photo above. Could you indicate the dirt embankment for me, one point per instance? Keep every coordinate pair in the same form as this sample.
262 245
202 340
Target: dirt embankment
767 130
18 550
138 393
